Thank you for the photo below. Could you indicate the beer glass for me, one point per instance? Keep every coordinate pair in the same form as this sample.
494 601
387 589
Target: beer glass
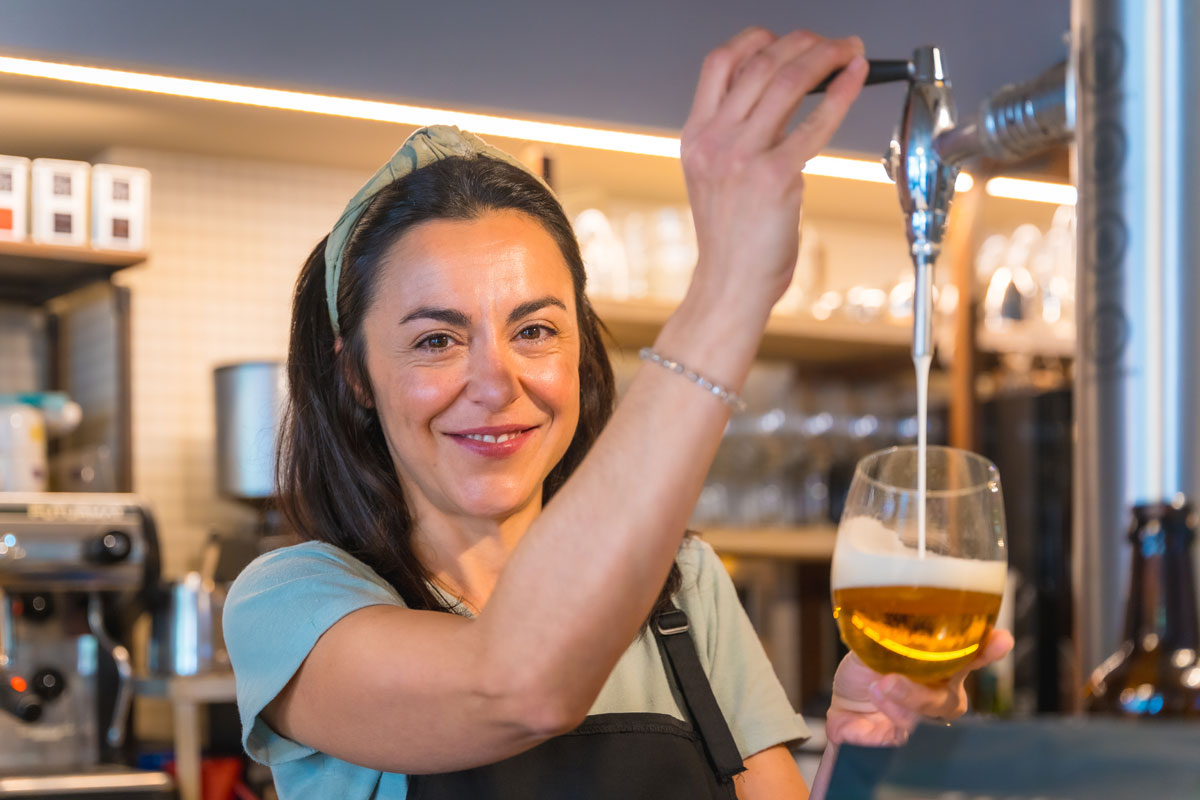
923 613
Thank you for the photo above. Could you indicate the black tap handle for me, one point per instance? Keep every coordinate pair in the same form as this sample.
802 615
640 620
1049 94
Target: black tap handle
16 699
878 71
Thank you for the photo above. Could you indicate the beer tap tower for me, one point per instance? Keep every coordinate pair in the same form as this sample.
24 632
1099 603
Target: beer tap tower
1137 380
1129 92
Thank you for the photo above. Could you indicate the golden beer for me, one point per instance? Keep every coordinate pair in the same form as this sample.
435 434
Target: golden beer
923 615
924 632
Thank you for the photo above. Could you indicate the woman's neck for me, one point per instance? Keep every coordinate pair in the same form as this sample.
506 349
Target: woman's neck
465 555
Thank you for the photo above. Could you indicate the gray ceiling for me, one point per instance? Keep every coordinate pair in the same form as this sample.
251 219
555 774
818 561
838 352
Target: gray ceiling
620 62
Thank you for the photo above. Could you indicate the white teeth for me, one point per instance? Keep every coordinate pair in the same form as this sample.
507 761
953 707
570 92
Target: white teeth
487 437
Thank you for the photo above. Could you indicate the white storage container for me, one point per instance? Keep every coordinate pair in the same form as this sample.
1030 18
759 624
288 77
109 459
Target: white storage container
120 207
14 198
60 201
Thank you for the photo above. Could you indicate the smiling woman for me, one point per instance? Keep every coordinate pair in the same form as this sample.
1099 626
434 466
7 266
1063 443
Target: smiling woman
495 598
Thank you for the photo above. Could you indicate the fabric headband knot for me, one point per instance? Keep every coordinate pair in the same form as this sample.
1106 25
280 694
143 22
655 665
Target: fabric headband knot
424 147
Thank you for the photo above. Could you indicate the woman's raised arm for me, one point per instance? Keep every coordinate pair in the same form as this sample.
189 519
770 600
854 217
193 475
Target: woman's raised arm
415 692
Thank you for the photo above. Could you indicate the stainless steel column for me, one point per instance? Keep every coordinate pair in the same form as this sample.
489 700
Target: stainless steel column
1137 381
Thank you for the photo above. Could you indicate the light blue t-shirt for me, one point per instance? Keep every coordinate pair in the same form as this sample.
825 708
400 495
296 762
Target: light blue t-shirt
282 603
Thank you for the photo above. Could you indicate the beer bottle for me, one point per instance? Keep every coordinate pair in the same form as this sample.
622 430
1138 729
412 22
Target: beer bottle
1155 672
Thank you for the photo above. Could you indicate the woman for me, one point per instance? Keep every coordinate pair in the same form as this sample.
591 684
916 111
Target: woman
450 446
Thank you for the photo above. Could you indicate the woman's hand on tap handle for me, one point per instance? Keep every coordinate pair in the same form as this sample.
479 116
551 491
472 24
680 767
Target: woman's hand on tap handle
743 167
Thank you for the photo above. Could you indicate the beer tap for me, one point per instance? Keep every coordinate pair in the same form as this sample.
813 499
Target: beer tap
924 180
929 147
1016 121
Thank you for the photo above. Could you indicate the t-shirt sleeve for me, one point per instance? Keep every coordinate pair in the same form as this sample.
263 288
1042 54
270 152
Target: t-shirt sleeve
744 682
274 613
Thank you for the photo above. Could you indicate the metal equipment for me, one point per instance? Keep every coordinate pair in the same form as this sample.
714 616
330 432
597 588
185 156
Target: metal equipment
74 570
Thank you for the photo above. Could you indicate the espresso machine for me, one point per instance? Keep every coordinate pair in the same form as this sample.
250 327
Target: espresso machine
75 571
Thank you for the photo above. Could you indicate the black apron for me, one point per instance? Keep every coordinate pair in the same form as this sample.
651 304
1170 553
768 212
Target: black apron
609 756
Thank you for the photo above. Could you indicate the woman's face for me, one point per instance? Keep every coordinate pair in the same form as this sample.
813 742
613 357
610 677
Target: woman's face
472 350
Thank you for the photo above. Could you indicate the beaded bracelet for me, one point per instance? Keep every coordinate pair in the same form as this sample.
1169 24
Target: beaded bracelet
715 389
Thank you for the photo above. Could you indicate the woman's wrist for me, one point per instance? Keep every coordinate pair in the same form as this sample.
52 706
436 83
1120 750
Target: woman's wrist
820 786
716 332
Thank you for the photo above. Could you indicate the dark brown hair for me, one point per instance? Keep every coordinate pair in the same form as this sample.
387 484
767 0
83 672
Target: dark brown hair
336 480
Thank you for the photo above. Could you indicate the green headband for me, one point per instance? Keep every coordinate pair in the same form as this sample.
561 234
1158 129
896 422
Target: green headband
424 147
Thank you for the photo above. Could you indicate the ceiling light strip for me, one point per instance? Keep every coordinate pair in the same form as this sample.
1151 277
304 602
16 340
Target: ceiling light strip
549 132
1062 194
507 127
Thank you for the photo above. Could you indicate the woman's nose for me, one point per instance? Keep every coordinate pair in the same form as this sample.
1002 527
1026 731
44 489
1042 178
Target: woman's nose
493 380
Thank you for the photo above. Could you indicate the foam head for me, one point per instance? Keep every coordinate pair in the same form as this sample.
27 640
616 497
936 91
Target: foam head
868 553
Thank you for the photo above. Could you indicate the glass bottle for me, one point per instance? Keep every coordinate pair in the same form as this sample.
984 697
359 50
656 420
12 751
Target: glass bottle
1155 672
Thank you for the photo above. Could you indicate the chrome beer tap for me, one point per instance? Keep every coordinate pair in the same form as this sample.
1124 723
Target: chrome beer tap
929 147
924 180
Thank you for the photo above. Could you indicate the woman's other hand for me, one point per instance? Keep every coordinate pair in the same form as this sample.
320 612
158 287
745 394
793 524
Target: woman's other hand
878 710
743 167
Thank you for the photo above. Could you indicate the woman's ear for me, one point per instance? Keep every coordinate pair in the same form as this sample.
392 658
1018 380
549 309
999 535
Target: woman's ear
362 394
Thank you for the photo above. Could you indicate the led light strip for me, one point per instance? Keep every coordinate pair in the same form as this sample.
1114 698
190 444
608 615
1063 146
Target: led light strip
1062 194
486 124
347 107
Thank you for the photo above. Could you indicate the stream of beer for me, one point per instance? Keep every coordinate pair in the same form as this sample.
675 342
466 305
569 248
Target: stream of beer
922 364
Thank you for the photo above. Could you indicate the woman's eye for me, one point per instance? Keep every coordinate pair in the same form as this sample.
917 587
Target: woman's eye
535 332
438 341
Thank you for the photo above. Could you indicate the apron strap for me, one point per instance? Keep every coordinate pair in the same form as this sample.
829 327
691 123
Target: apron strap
671 629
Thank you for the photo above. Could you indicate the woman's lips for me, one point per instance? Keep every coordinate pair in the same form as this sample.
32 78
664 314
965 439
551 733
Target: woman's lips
502 446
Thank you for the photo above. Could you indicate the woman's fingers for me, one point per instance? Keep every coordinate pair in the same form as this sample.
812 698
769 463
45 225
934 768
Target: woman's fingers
815 131
760 72
997 646
794 80
745 197
947 701
718 71
852 681
867 730
901 716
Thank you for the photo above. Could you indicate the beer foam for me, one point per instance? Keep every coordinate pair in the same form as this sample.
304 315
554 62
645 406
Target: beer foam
870 554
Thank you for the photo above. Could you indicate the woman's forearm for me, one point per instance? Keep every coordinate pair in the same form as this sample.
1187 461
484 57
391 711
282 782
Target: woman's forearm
591 566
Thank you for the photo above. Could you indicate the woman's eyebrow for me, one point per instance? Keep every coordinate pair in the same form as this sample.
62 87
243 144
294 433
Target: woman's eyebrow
531 306
449 316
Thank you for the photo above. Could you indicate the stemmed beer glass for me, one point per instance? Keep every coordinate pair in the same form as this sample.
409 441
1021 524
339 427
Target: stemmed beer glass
920 608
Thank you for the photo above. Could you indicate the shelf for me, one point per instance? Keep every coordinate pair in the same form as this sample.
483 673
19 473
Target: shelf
1031 340
804 340
33 273
812 342
812 543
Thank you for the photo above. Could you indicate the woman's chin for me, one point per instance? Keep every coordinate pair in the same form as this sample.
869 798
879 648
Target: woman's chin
494 505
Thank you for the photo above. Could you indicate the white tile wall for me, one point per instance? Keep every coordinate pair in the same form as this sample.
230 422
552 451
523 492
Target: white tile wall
228 239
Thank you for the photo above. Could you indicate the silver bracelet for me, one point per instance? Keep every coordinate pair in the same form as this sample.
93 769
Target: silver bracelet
715 389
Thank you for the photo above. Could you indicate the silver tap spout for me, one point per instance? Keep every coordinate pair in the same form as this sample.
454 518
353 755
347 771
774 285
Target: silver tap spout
924 181
1017 121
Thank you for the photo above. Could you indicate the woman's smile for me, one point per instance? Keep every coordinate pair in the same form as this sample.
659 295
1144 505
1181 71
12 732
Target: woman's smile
495 441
